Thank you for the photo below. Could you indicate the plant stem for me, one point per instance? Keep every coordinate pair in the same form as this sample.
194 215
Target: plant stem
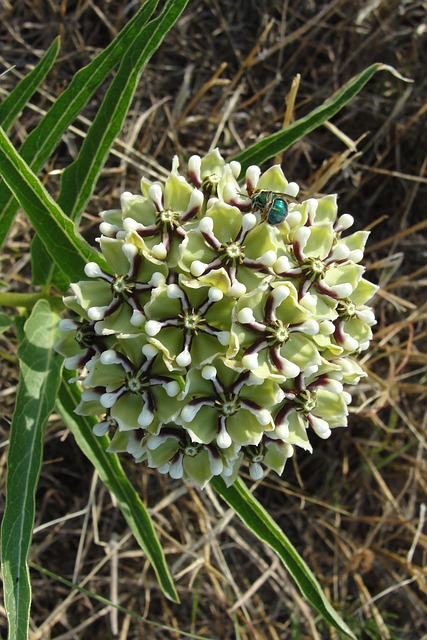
28 300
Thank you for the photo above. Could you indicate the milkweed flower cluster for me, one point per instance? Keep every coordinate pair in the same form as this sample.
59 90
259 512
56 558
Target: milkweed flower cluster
227 327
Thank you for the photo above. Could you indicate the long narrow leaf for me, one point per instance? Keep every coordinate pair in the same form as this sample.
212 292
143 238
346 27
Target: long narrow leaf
69 251
43 139
79 178
283 139
11 106
112 475
256 518
38 384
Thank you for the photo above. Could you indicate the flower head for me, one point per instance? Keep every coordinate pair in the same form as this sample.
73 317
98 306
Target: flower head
225 330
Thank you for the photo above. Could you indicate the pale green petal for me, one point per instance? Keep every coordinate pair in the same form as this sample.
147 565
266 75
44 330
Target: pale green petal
163 453
331 407
204 428
319 242
119 443
326 211
139 208
112 251
92 293
245 429
273 180
198 468
298 432
227 221
364 291
277 452
212 164
348 273
126 411
301 350
177 193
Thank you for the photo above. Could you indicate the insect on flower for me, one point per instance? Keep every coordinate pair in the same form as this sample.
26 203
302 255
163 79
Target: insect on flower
272 205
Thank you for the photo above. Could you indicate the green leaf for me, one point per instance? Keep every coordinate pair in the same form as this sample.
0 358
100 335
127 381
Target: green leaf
79 178
112 475
68 250
256 518
278 142
5 322
38 384
11 106
41 142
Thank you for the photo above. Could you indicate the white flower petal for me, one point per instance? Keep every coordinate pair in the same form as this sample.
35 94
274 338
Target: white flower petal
93 270
97 313
183 359
310 327
235 168
268 258
292 189
130 250
245 315
110 357
252 175
152 327
215 294
176 469
206 225
256 471
107 400
149 351
209 372
190 411
344 222
197 267
137 318
320 427
249 220
251 361
237 289
101 428
159 251
172 388
223 439
146 416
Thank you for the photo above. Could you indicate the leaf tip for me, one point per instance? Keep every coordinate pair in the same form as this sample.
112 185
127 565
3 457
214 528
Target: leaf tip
387 67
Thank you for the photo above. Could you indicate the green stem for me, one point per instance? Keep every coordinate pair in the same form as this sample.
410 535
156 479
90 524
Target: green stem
28 300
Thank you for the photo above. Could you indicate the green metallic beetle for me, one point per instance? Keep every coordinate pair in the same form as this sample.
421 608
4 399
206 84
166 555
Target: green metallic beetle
273 206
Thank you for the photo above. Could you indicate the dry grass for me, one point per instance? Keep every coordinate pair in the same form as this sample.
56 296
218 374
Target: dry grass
355 509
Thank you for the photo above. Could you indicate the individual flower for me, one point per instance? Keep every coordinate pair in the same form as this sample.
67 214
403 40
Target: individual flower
210 172
275 332
317 260
229 250
191 324
132 390
158 218
270 453
79 342
220 406
320 404
173 451
115 302
355 319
